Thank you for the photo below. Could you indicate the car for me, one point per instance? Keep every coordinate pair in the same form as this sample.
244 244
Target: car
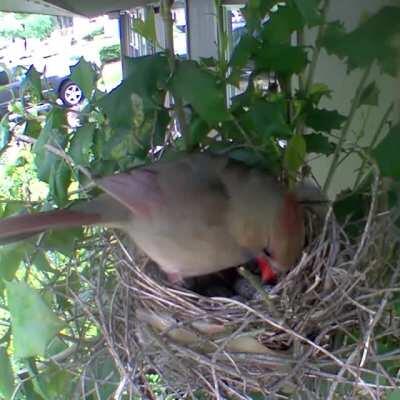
68 92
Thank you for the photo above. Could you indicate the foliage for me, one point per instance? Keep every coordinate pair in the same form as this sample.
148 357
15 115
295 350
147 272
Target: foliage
110 53
96 32
26 26
276 129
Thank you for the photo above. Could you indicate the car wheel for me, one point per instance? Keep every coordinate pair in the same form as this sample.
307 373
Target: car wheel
70 93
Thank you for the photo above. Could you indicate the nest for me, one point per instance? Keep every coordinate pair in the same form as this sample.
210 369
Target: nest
314 334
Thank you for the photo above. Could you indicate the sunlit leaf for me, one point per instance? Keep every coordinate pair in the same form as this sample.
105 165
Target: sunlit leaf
6 375
146 28
318 91
11 256
295 153
153 72
324 120
5 135
201 90
32 83
84 75
52 134
370 95
30 333
59 180
386 153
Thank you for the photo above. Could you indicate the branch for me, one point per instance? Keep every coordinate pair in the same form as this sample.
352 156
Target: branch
343 135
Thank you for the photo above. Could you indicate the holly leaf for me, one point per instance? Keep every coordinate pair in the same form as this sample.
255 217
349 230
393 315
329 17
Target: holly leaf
59 181
324 120
281 24
32 83
295 154
146 28
53 134
5 135
255 11
282 59
202 90
318 91
370 95
319 144
84 75
11 256
81 145
386 153
118 104
32 128
309 11
266 119
6 375
374 39
30 333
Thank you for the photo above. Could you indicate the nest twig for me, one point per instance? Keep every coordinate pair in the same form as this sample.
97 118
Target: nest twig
315 334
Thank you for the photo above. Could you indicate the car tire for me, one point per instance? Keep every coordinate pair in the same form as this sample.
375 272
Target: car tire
70 93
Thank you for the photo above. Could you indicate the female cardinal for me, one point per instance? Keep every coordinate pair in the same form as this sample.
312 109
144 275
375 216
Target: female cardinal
192 216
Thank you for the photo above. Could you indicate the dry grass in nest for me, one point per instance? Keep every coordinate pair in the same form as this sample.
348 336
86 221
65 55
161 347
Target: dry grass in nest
314 335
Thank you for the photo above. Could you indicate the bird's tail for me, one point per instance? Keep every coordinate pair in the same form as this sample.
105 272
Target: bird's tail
21 227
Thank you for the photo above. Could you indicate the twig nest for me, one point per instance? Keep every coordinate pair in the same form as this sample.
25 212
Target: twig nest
223 336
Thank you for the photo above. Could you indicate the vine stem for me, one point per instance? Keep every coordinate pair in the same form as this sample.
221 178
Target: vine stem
166 6
343 135
373 141
314 59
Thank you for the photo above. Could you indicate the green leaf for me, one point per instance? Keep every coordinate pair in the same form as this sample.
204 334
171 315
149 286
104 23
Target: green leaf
41 262
309 11
63 241
153 72
319 144
6 375
198 130
31 333
32 83
32 128
11 256
324 120
374 39
53 134
146 28
59 181
295 154
395 395
318 91
81 145
281 24
84 75
282 59
202 90
255 11
266 119
370 95
386 153
5 135
242 51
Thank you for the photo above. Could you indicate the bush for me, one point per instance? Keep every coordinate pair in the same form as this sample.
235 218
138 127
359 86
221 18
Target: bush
97 32
110 53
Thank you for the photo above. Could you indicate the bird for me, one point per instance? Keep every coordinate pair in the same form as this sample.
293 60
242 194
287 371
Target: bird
195 215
